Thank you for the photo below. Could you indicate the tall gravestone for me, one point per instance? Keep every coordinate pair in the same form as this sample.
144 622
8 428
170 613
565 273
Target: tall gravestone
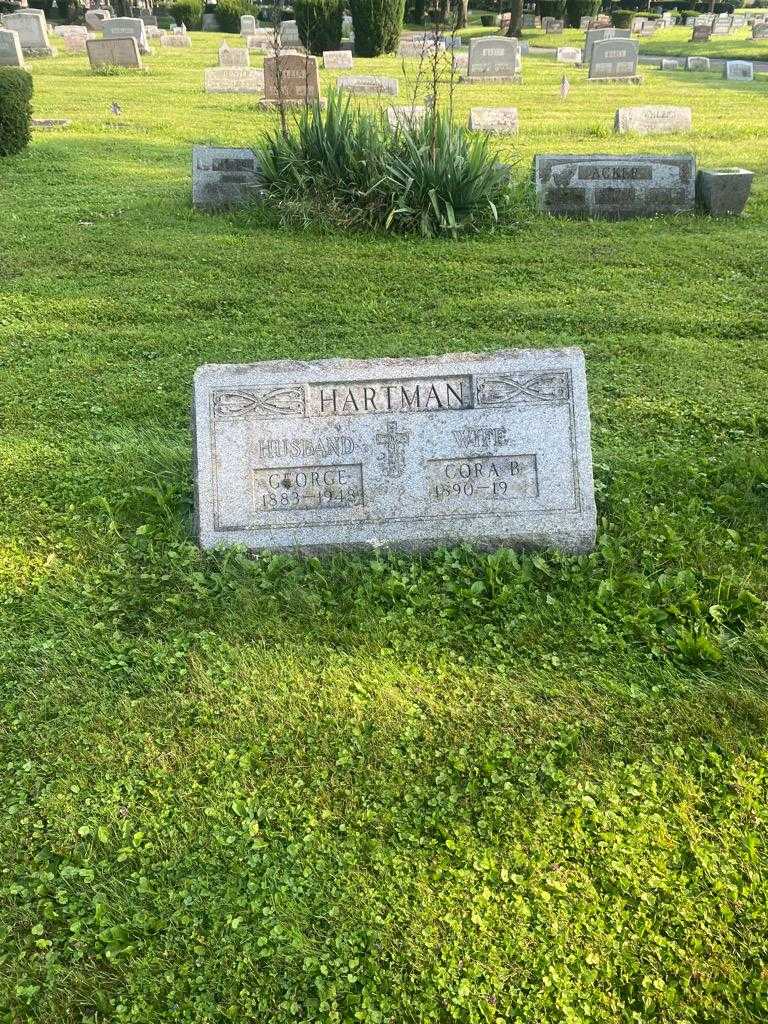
613 59
247 24
485 449
494 58
121 28
594 35
291 79
615 187
32 32
11 54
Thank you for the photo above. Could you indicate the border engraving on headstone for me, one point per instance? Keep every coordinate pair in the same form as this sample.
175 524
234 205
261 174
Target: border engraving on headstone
614 187
484 448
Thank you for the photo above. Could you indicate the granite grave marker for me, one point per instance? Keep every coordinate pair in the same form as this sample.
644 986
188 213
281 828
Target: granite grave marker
653 120
122 52
10 49
494 120
224 176
494 58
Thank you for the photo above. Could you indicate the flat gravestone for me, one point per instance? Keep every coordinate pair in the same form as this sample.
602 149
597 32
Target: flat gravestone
337 60
120 28
697 63
494 58
701 33
11 54
234 79
405 117
615 187
247 24
569 55
122 52
290 79
366 84
760 31
596 34
613 59
494 120
234 56
485 449
223 176
32 31
670 64
653 120
71 30
739 70
176 39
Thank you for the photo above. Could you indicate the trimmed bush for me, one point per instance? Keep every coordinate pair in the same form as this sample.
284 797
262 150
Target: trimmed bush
190 12
15 110
377 25
229 12
344 164
551 8
319 24
575 10
623 19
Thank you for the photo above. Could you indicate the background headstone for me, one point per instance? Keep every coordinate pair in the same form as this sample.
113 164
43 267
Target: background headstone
471 448
494 57
94 19
120 28
247 24
367 84
494 120
697 63
653 120
739 70
298 78
337 60
289 33
234 56
569 55
224 176
32 31
701 33
613 58
234 79
615 187
122 52
405 117
10 49
175 39
596 34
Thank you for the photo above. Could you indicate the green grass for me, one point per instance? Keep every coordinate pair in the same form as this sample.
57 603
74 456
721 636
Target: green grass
668 42
388 789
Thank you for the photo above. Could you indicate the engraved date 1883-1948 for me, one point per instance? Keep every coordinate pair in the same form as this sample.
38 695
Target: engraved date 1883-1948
299 488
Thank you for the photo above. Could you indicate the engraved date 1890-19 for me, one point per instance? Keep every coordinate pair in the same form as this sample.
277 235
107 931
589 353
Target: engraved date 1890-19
479 477
299 488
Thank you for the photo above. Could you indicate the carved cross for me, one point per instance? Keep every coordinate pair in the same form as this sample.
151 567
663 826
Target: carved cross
394 456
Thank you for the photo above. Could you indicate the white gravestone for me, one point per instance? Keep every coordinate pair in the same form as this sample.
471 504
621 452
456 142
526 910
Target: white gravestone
670 64
32 31
120 28
10 49
614 187
569 55
494 120
234 79
494 58
697 63
122 52
739 70
234 56
485 449
367 84
247 24
224 176
337 60
176 39
653 120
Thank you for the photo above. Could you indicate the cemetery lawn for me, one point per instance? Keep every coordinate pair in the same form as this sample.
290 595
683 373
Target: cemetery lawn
668 42
464 787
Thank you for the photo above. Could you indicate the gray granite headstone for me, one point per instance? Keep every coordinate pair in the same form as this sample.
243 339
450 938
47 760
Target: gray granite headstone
494 58
760 31
739 70
367 84
234 79
289 33
122 52
697 63
723 192
614 187
653 120
224 176
488 449
494 120
594 35
337 60
291 79
247 24
122 27
32 31
10 49
613 59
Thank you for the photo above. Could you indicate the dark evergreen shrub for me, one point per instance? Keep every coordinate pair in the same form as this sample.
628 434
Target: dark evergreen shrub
15 110
228 13
190 12
377 25
575 10
319 23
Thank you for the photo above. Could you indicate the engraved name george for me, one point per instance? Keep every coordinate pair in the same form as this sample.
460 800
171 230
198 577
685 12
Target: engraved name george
299 488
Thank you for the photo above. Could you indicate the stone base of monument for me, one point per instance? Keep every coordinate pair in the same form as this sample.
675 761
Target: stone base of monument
266 104
472 79
44 124
723 192
631 80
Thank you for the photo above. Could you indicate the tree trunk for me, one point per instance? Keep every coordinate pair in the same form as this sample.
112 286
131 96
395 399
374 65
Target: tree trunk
515 19
461 13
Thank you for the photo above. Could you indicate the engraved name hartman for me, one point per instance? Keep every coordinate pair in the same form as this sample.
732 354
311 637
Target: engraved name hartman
423 394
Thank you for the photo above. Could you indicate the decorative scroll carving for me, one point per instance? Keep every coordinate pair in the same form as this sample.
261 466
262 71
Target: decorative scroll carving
260 403
524 389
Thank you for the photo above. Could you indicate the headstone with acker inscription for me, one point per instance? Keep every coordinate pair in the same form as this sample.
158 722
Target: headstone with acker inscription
291 79
224 176
613 59
11 54
337 60
122 52
487 449
234 56
368 84
615 187
234 79
494 120
120 28
653 120
32 31
494 58
739 70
